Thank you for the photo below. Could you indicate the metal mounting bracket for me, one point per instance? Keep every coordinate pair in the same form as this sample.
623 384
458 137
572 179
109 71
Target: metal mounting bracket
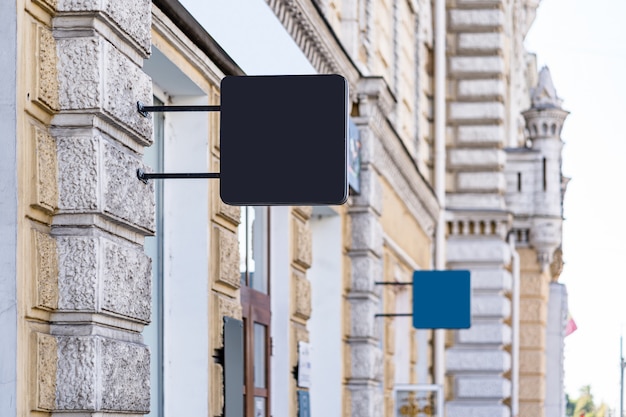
144 110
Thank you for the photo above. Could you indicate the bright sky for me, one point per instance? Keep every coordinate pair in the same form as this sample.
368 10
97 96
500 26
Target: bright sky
583 44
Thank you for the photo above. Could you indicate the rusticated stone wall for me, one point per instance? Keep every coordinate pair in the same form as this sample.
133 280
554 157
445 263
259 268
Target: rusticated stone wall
86 213
300 287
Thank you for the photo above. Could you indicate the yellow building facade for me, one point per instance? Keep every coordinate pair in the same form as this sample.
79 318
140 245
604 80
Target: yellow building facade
118 296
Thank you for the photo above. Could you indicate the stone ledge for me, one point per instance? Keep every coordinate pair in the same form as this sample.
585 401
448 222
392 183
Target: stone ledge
485 333
476 19
476 65
477 360
477 111
493 181
483 42
471 387
132 18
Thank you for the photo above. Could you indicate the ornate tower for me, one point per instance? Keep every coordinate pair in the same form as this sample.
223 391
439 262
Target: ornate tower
544 121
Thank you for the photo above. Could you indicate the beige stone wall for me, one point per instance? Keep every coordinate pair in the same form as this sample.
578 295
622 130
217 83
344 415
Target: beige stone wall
37 266
301 257
534 291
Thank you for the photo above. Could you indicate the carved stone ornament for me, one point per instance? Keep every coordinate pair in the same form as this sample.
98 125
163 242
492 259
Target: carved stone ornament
133 17
226 257
46 271
78 273
48 84
46 157
127 281
302 244
46 372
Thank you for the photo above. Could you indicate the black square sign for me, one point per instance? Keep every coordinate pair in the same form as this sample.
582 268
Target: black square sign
283 140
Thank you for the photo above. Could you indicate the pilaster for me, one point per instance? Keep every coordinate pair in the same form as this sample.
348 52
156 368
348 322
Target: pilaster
92 276
478 359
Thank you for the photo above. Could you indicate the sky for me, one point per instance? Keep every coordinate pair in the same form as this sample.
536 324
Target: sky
583 45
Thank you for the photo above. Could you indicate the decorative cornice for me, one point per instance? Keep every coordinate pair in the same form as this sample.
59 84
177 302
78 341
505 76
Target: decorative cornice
390 157
310 30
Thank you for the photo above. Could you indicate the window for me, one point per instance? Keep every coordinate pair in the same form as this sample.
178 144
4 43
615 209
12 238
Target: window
255 299
153 334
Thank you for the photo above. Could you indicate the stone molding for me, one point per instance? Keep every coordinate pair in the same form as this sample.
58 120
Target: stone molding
311 32
383 150
131 19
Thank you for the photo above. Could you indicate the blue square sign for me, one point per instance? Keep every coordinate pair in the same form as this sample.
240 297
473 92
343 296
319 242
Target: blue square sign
441 300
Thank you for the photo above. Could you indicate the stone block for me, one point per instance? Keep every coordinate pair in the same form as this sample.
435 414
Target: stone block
302 243
491 279
475 387
371 194
481 88
533 310
46 187
531 408
94 76
492 181
78 273
475 158
366 401
223 307
532 336
459 409
124 196
477 111
100 374
532 362
47 80
302 296
46 271
476 65
483 42
534 284
367 233
468 250
365 358
47 360
475 200
481 134
476 19
485 333
459 360
134 18
96 176
362 317
127 288
225 257
532 387
78 172
97 275
365 270
490 305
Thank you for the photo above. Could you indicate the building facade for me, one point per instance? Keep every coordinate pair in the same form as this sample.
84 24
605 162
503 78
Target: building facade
119 297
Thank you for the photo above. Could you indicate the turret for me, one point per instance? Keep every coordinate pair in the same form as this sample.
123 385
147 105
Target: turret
544 122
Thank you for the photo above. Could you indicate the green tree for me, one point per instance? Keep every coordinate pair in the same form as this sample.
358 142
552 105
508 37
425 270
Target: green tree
584 405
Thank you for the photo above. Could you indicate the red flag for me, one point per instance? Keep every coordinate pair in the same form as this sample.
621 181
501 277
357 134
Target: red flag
570 327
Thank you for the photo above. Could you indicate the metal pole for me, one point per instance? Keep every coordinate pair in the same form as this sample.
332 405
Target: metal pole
621 385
